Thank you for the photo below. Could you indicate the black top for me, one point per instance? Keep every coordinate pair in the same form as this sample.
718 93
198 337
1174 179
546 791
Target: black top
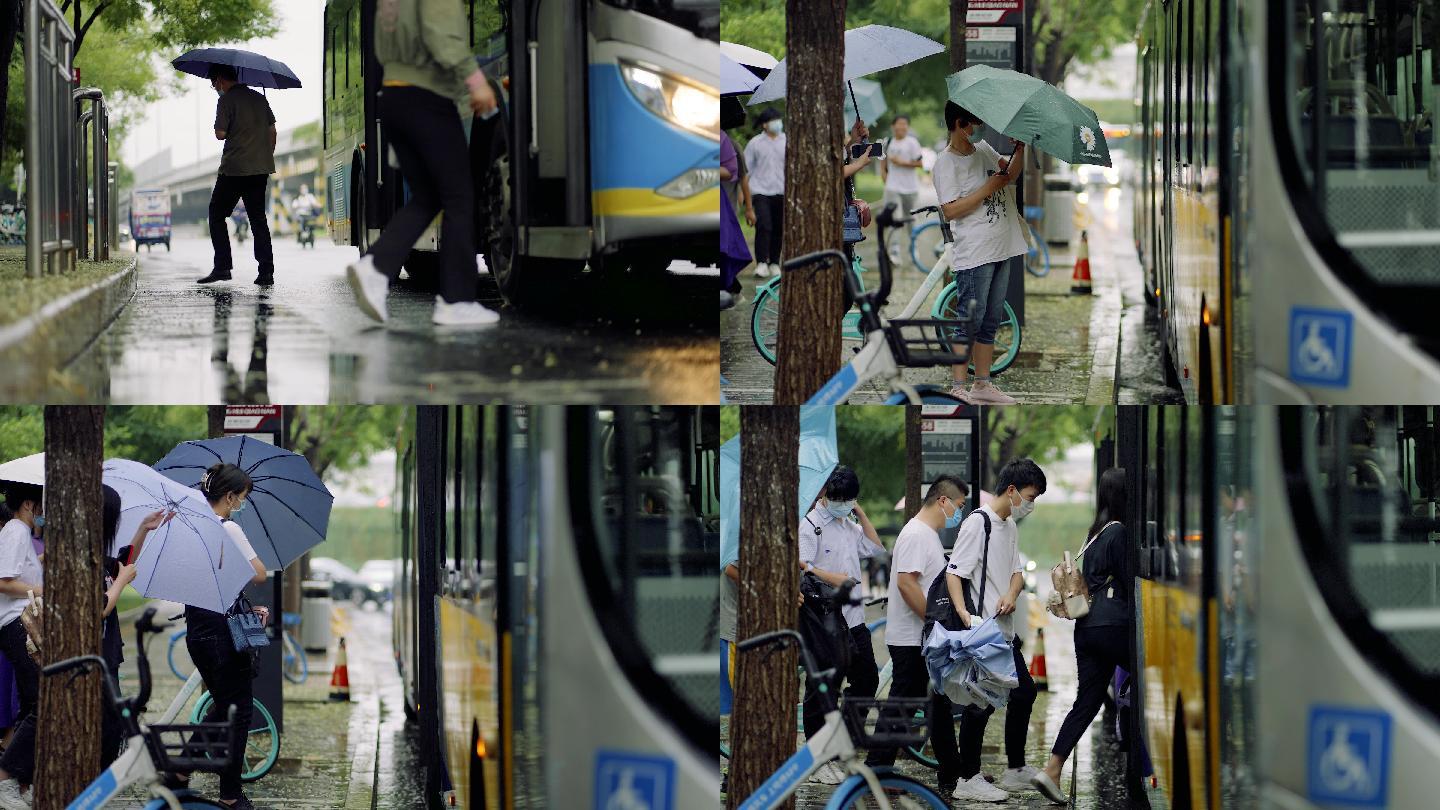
1106 567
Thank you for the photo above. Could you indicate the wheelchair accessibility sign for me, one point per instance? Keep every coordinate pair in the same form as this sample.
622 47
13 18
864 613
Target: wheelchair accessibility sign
633 781
1320 346
1348 756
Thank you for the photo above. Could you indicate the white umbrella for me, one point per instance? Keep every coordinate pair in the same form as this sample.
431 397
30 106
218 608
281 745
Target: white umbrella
748 56
191 559
734 78
868 49
26 470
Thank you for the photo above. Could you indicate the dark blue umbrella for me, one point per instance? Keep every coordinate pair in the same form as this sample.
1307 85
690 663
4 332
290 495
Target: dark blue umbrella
250 68
288 509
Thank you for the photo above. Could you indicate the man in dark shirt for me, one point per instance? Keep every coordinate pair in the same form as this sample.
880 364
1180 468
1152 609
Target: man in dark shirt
243 120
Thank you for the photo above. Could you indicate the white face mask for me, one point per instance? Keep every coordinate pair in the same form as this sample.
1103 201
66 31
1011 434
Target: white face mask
774 127
1021 509
841 509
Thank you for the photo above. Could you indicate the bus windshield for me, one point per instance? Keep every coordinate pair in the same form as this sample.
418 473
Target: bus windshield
1365 130
1373 475
700 17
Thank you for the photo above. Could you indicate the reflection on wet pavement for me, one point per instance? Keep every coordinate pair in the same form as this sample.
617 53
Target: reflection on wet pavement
304 341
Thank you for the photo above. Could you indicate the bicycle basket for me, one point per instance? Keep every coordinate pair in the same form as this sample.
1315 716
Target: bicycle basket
887 723
926 343
194 747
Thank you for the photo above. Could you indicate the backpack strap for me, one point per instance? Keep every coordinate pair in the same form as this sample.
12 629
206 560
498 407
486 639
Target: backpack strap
984 562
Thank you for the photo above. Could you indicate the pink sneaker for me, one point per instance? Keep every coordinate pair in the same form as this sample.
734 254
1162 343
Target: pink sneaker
983 392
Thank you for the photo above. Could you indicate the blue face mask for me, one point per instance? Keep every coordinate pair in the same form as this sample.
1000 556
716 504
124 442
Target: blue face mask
239 507
951 521
39 521
841 509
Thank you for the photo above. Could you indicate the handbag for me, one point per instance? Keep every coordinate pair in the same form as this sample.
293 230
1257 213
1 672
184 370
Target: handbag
30 619
247 630
940 609
1071 597
853 232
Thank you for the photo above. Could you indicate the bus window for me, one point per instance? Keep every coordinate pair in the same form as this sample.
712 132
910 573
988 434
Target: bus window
1172 527
355 50
488 26
1193 536
470 503
1367 512
1362 87
656 547
487 534
1234 567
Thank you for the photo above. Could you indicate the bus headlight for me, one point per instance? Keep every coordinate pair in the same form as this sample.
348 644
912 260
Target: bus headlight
690 183
684 103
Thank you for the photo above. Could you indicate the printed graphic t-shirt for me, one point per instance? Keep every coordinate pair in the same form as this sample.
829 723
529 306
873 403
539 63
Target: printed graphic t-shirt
991 232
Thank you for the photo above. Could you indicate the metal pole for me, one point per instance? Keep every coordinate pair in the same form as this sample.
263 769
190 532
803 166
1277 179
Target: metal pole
102 182
82 201
33 176
113 217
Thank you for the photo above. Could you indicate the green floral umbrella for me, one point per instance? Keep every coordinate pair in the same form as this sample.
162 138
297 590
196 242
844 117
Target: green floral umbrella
1032 112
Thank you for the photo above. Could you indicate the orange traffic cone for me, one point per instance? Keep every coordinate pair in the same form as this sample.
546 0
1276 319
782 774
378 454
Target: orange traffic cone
1080 281
340 678
1037 662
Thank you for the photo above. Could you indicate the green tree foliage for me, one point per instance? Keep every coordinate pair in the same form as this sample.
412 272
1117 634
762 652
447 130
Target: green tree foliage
729 422
1065 31
339 438
1041 432
147 434
870 439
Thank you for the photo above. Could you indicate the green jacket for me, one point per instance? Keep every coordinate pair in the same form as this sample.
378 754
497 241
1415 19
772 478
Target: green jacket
424 43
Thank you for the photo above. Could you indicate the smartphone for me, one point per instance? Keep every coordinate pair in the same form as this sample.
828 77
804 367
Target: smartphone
859 149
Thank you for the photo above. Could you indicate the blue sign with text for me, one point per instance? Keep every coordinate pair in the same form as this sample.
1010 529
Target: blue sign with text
1348 756
625 780
1320 346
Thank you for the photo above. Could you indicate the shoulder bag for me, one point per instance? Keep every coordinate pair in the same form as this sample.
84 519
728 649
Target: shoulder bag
247 630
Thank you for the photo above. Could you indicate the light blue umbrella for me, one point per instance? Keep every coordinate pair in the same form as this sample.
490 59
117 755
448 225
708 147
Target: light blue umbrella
289 507
817 459
868 49
972 667
735 79
871 99
191 559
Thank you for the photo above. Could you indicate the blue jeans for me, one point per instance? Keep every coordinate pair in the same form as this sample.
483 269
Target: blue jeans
987 284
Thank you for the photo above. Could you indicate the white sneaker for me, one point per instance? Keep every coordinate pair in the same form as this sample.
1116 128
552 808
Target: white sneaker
463 313
1014 779
11 797
983 392
762 271
370 286
978 789
828 774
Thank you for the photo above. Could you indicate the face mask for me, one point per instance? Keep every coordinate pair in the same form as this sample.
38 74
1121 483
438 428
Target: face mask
239 507
951 521
1023 508
39 521
841 509
774 127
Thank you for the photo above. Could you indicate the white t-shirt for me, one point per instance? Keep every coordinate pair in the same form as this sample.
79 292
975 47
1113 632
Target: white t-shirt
238 535
838 549
765 160
991 232
902 179
965 561
917 549
17 561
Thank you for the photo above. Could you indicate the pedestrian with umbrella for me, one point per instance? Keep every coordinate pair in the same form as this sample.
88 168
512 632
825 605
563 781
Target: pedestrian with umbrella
245 122
203 559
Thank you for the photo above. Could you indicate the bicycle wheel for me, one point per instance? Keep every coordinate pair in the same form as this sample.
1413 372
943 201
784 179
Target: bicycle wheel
1037 253
262 745
927 242
765 319
179 657
187 802
296 668
1007 334
912 794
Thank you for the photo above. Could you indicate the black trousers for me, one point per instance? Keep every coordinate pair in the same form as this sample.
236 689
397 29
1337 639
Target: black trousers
230 189
908 678
1098 650
769 226
965 762
862 674
227 675
425 131
19 759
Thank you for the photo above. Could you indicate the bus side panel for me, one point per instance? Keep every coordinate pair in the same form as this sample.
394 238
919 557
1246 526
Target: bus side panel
1173 679
468 648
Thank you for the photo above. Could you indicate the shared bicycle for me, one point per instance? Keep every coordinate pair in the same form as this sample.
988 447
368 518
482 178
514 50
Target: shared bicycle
927 244
765 312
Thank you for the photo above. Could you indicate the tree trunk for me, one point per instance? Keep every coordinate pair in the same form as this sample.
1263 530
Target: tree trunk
958 10
762 730
67 752
215 421
11 27
914 463
810 310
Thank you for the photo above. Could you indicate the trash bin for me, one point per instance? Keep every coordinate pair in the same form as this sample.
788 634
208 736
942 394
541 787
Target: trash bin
315 615
1059 209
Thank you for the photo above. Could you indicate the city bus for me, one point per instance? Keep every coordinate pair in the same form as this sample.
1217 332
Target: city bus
605 156
1283 240
554 604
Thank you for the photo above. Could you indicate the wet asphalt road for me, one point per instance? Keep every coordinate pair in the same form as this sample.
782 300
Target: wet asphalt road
304 341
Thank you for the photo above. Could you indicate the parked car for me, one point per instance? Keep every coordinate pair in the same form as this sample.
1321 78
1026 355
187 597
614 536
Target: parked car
379 579
345 583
